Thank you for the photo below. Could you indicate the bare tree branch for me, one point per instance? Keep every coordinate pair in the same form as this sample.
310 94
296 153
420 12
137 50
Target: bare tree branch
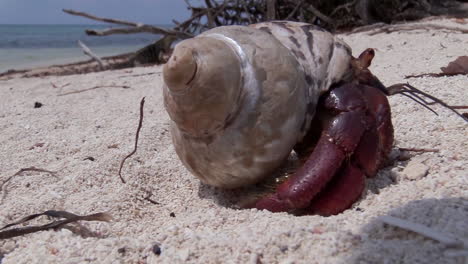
299 4
107 20
139 29
134 27
271 10
320 15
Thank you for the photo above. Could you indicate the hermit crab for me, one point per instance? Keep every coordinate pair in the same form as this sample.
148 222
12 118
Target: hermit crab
242 98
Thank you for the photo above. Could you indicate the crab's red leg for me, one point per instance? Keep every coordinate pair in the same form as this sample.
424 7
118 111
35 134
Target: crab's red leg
298 191
344 189
342 134
372 150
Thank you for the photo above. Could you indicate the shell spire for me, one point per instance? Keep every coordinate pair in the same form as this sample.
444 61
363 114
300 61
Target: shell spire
202 80
180 69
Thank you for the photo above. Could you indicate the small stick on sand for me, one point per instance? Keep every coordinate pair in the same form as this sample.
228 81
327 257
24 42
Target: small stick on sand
142 74
426 231
62 86
137 135
148 198
5 182
436 75
95 87
419 149
459 106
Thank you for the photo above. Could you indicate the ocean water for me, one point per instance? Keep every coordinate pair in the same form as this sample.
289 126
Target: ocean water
25 46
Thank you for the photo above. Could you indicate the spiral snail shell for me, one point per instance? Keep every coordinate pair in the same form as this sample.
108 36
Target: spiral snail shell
241 97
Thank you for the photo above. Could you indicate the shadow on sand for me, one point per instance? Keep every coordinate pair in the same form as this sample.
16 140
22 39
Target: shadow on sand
387 244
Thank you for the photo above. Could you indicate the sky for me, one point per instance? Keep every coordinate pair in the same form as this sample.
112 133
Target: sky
50 11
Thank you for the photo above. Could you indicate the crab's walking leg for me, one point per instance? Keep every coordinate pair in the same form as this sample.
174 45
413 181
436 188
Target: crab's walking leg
343 190
298 191
346 122
346 187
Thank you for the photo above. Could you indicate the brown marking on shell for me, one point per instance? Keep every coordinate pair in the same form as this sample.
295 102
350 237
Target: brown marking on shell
265 29
309 79
340 45
317 28
284 25
319 82
330 54
295 41
299 54
310 38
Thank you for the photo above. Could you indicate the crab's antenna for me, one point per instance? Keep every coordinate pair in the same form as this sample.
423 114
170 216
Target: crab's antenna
420 101
417 95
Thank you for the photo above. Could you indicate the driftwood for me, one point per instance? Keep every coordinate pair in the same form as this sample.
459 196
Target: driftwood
133 27
88 52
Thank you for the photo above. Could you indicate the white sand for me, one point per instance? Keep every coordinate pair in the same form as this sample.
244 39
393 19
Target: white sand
101 123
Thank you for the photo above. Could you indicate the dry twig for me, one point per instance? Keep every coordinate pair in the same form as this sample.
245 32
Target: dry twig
5 182
62 86
419 149
320 15
137 135
69 218
148 198
95 87
459 66
459 106
138 75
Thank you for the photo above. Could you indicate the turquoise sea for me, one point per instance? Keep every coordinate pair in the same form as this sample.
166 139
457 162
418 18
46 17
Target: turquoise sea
25 46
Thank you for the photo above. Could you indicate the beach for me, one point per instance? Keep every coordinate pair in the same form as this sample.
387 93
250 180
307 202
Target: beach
28 46
162 214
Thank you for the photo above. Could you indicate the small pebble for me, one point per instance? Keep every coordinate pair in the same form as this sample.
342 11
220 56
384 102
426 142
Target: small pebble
37 105
184 254
122 250
415 170
156 249
172 214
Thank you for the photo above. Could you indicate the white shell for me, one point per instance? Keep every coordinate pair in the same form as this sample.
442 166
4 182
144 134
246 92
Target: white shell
241 97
